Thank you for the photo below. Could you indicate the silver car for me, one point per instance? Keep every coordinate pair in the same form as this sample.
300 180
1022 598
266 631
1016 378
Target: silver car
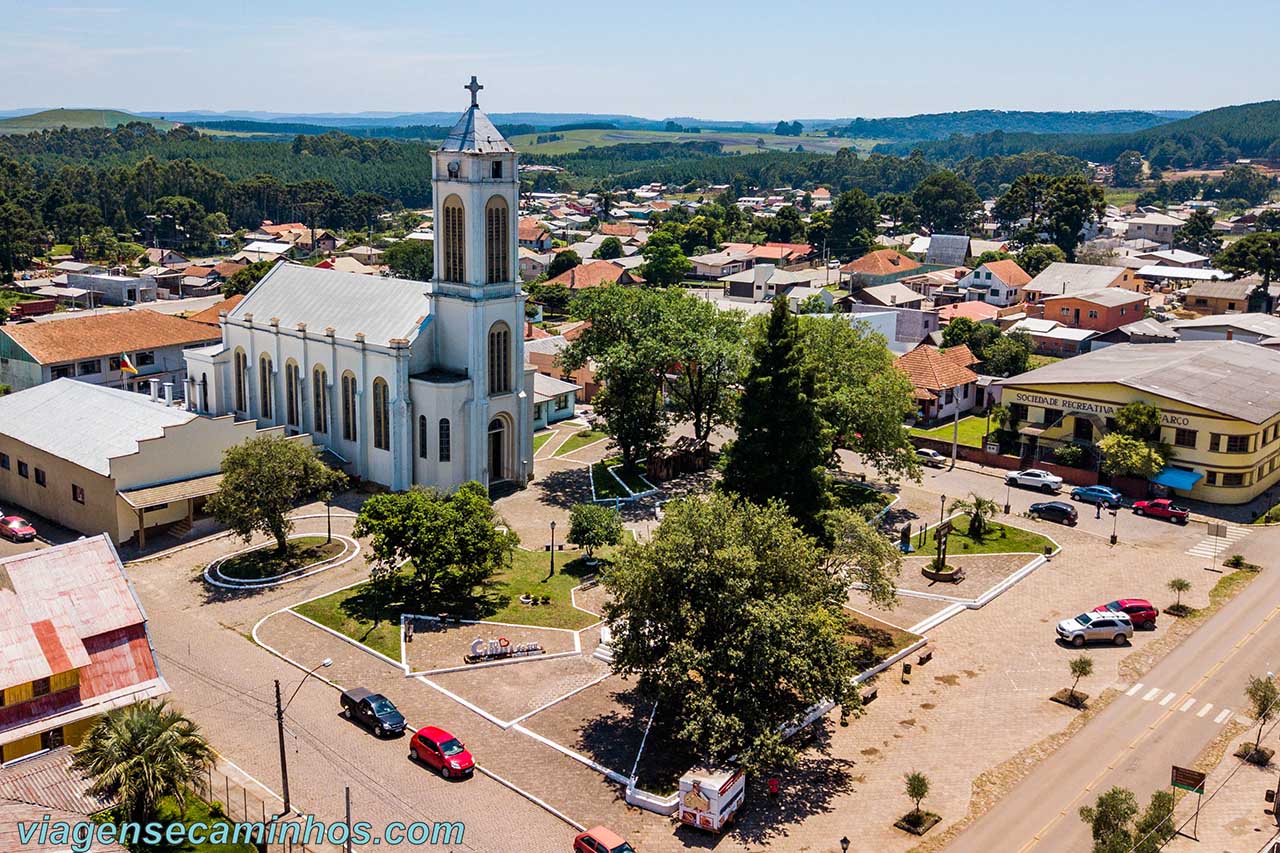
1100 627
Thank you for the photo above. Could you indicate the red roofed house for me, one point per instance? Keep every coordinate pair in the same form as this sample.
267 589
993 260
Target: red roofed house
997 283
75 645
619 229
534 235
879 267
943 382
978 312
595 274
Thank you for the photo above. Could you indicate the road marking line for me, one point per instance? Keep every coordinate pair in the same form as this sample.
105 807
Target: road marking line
1151 694
1226 712
1134 689
1205 709
1187 705
1133 744
1167 699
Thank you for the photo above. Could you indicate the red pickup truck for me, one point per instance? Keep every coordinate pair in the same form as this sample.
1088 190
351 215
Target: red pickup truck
1162 508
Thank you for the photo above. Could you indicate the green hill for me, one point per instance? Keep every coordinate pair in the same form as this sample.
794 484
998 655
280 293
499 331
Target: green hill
75 118
1245 130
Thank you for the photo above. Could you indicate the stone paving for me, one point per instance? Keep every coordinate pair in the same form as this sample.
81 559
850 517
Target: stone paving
981 573
510 692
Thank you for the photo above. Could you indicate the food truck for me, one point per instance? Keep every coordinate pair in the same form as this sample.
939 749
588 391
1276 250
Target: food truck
709 798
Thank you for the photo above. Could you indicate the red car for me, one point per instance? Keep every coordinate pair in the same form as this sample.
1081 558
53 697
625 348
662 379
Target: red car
17 528
1142 613
1162 508
441 750
600 840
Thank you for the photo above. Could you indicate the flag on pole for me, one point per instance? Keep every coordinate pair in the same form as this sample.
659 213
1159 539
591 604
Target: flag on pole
126 366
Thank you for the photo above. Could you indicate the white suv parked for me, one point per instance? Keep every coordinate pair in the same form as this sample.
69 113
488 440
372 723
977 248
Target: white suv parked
1104 627
1034 478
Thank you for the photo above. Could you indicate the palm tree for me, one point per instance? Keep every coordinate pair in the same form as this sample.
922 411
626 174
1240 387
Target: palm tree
1179 585
140 754
980 510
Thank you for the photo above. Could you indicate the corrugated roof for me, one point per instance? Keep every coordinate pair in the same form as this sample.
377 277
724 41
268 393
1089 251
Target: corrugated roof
194 487
949 249
105 335
382 308
1061 278
546 387
85 424
52 600
1230 377
476 134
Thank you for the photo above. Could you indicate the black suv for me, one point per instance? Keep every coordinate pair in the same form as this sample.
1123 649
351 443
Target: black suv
372 710
1059 511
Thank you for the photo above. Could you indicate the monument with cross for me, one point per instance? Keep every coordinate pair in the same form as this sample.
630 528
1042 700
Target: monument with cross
474 88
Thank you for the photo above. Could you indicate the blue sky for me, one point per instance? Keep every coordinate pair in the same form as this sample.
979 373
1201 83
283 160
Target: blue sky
722 60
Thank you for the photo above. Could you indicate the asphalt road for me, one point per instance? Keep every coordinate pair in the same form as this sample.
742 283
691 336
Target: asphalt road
1136 739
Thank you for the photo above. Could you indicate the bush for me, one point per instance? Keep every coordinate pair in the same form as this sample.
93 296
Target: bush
1235 561
1070 455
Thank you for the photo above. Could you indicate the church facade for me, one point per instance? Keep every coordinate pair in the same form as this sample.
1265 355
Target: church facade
407 383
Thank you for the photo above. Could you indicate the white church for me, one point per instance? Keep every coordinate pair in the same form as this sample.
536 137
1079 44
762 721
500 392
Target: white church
406 382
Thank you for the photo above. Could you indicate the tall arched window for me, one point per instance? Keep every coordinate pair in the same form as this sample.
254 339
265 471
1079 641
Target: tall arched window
422 436
381 415
499 358
319 400
349 406
204 393
292 394
241 369
497 237
454 241
446 451
264 386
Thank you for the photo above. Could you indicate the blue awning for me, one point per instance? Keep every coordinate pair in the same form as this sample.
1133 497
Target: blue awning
1178 478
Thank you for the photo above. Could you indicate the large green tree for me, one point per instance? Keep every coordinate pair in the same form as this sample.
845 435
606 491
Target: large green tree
859 395
1034 259
140 754
609 248
1056 207
562 262
243 280
433 549
664 261
710 356
1198 235
1116 826
263 479
947 202
1254 254
731 619
782 444
412 259
1128 169
852 224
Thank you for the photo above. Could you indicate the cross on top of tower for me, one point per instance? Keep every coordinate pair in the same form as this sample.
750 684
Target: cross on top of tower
474 88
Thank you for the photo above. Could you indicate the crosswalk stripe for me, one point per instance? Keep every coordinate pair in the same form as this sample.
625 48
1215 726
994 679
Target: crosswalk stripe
1226 712
1187 705
1134 689
1166 700
1151 694
1205 709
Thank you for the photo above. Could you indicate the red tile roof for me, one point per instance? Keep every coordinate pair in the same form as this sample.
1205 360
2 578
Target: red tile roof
106 335
975 311
588 274
210 314
881 262
929 370
619 229
1009 272
531 229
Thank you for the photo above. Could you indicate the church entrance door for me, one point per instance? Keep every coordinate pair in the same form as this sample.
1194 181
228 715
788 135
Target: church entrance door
497 440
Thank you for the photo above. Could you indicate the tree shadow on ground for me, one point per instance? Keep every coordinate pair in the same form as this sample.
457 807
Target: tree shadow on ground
564 488
613 739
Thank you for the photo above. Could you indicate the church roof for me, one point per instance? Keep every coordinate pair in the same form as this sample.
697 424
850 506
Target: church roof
475 134
383 309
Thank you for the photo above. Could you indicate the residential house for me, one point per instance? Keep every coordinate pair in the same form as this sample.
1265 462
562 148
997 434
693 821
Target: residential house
76 646
895 294
879 267
533 264
997 283
715 265
366 255
1096 310
544 355
211 315
622 230
115 289
263 250
978 312
534 235
343 263
1061 279
1053 338
1252 328
944 385
1158 227
160 258
798 294
949 250
554 400
1175 258
92 349
764 281
594 274
1220 297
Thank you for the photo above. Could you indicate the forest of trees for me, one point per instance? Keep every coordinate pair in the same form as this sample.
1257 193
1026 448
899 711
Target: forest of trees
944 125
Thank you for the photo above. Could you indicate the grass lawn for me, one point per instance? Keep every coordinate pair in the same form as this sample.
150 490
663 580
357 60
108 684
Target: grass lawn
1120 196
858 496
1041 360
10 298
541 438
1000 539
197 811
265 563
365 619
580 440
605 485
879 640
972 429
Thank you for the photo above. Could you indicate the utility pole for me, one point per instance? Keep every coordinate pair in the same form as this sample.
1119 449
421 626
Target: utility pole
284 767
348 844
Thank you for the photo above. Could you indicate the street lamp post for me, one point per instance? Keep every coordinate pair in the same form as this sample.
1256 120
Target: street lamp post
1008 493
1115 521
553 548
844 844
280 709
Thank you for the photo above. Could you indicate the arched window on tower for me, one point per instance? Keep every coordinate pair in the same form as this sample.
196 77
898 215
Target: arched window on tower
292 394
499 358
264 387
422 436
381 415
454 259
319 401
349 406
241 368
497 236
446 449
